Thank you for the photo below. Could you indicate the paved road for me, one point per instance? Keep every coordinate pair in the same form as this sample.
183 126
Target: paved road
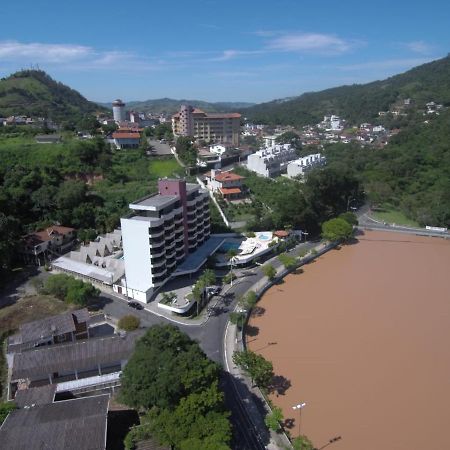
211 338
368 223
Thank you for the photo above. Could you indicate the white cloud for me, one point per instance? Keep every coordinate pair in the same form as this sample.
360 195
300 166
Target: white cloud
325 44
419 47
226 55
37 52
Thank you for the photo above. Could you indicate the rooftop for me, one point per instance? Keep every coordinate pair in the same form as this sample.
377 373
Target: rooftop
124 135
78 424
54 325
155 201
35 396
80 355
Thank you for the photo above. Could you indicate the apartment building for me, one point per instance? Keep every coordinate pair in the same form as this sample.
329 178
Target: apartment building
222 128
303 165
160 232
272 161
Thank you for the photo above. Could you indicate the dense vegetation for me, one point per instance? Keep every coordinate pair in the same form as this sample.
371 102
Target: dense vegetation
170 379
34 93
284 203
410 174
69 289
83 184
359 103
171 106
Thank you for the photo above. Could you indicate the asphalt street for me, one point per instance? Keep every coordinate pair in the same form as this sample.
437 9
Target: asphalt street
210 336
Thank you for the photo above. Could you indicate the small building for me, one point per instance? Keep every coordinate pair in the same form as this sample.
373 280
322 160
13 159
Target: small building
81 365
54 239
76 424
124 139
303 165
228 184
65 327
48 138
272 161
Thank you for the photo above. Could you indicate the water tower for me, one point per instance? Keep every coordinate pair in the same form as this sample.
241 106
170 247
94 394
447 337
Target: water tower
118 110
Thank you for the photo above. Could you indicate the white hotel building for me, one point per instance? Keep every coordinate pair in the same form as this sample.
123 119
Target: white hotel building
272 161
160 232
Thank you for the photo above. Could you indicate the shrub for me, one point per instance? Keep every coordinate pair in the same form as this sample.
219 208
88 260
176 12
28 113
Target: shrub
274 419
269 271
129 323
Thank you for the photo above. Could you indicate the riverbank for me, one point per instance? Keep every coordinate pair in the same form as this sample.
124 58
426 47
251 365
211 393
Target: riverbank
361 337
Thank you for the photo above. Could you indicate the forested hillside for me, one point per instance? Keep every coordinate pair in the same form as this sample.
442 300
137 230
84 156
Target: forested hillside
412 173
34 93
359 103
171 106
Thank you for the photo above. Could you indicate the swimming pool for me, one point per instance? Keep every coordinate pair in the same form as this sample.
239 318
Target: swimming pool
264 237
228 245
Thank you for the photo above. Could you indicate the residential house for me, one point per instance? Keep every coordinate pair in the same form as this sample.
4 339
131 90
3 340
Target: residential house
228 184
54 239
125 139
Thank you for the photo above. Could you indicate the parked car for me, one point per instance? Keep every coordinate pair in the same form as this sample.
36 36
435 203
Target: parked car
135 305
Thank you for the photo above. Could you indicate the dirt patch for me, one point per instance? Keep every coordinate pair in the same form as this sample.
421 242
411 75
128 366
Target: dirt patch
362 337
30 308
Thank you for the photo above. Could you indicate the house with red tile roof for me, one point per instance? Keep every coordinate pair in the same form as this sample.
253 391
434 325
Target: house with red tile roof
126 139
228 184
54 239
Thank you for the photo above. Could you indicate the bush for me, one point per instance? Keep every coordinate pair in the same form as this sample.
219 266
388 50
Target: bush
129 323
274 419
269 271
5 409
69 289
337 230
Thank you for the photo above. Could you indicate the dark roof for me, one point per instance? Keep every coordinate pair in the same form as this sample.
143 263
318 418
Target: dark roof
35 396
80 355
54 325
78 424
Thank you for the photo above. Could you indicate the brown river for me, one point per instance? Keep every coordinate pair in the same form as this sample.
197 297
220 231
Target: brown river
362 336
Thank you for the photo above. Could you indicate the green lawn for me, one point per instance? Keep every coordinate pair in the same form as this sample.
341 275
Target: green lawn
391 216
166 167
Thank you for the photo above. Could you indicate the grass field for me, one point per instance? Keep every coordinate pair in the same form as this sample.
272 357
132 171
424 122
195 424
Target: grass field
391 216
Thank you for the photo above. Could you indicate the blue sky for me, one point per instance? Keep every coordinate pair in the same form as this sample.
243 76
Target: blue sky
247 50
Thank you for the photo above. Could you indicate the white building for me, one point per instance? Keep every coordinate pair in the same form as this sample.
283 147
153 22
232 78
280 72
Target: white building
162 230
118 107
270 141
303 165
219 149
272 161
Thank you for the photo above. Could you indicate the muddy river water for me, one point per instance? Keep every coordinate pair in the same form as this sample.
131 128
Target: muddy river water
363 337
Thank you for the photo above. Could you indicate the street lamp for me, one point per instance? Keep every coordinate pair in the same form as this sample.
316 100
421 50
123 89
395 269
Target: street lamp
300 406
304 233
231 270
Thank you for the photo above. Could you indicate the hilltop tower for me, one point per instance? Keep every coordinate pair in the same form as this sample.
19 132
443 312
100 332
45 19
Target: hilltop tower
118 110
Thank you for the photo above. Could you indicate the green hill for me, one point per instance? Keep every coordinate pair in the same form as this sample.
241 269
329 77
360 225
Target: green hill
171 106
34 93
359 102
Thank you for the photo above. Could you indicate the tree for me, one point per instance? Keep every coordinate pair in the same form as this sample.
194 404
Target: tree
337 230
288 261
274 419
69 289
165 366
186 150
238 319
256 366
302 443
129 322
269 271
249 300
349 217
